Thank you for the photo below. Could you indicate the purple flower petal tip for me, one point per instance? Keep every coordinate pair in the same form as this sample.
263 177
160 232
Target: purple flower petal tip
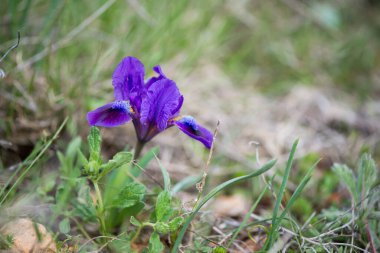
110 115
189 126
128 77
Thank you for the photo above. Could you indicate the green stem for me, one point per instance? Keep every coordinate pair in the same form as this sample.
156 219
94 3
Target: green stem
100 208
145 224
138 148
81 228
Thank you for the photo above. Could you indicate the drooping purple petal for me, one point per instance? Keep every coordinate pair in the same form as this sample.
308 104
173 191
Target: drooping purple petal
128 78
110 115
160 76
162 101
189 126
176 110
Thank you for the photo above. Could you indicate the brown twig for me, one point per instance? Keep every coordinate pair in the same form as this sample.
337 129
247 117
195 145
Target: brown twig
202 183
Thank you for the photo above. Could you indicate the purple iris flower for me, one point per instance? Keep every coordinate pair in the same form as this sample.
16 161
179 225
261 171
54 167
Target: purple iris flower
153 106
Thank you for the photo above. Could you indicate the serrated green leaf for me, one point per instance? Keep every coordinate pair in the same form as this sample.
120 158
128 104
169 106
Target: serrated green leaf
134 221
163 206
155 245
175 223
118 160
64 226
94 142
161 227
129 196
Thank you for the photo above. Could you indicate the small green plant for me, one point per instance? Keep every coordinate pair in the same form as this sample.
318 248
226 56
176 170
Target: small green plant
108 194
130 196
365 199
6 242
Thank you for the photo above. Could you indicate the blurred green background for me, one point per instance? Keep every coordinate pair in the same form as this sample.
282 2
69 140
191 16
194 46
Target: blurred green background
68 49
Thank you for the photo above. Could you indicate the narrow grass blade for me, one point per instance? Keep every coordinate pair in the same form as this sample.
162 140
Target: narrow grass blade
186 183
39 146
211 194
281 194
47 145
297 192
165 174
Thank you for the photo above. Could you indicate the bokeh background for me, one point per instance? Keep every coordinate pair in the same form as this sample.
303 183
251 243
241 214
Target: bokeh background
269 71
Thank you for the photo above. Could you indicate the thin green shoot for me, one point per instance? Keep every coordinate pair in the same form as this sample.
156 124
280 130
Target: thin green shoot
47 145
280 195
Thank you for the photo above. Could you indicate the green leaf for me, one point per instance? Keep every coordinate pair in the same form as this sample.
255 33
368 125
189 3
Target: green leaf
134 221
297 192
82 159
219 249
161 227
129 196
64 226
120 245
165 174
73 148
348 177
211 194
118 160
175 223
155 245
83 204
366 175
163 206
133 210
284 181
94 141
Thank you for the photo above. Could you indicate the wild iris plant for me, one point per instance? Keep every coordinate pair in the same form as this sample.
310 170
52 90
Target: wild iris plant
153 105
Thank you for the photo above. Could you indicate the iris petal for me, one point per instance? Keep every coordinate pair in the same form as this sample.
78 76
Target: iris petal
128 78
160 76
189 126
110 115
162 101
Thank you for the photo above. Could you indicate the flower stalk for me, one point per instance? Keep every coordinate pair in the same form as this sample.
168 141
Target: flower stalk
138 148
100 207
